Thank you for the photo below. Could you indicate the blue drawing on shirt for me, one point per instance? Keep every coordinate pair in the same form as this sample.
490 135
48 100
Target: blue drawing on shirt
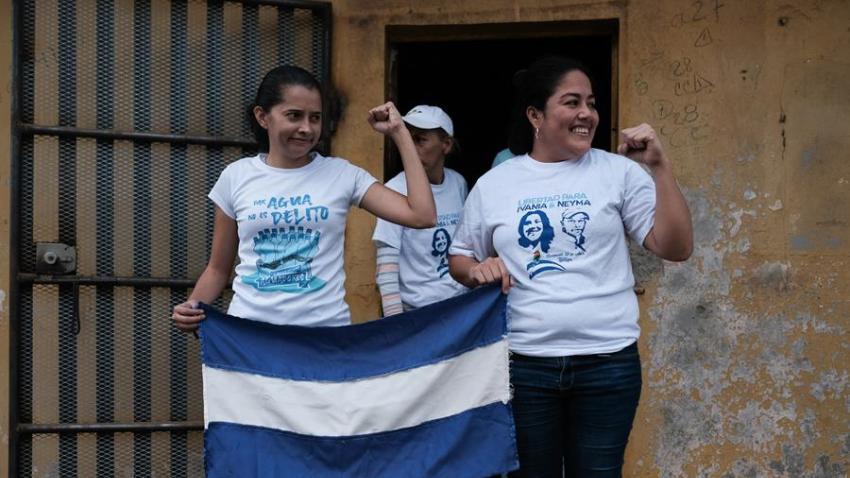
536 233
535 230
573 223
440 244
284 260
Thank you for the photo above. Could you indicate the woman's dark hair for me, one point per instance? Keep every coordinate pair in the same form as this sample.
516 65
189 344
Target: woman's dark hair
533 87
546 236
270 93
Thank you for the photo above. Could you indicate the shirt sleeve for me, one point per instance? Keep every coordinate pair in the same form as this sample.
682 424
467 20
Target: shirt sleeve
473 238
638 210
386 276
222 194
362 182
388 233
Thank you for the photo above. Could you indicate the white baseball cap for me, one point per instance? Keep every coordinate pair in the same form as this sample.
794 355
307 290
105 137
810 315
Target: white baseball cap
429 117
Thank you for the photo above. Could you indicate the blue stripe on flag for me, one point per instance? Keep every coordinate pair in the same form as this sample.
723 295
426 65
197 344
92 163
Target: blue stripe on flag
476 443
333 354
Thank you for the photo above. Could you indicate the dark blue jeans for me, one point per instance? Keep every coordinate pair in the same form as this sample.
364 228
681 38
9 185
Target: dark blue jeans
574 414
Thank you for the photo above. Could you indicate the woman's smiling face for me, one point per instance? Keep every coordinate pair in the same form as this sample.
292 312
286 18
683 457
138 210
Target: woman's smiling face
569 122
532 227
441 241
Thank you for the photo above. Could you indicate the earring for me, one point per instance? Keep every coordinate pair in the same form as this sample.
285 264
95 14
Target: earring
536 133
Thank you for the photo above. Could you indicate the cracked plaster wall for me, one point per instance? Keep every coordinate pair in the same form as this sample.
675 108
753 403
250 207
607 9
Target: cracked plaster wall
745 346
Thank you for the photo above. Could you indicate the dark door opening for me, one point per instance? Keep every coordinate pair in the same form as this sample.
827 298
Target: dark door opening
468 70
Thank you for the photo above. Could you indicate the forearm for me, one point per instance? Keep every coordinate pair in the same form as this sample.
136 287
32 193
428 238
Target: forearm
460 268
419 196
672 231
387 278
209 285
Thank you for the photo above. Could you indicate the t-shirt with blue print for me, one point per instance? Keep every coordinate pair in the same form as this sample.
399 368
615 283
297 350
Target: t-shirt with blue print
560 229
423 253
291 227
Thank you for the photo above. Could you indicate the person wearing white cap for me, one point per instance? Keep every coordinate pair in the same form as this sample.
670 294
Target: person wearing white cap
412 264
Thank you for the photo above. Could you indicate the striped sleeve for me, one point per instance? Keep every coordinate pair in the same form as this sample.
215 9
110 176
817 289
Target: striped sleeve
386 275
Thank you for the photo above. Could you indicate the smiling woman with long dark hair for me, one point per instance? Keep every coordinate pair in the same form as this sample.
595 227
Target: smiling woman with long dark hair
573 314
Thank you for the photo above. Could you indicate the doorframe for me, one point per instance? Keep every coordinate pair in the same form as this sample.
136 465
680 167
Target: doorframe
400 34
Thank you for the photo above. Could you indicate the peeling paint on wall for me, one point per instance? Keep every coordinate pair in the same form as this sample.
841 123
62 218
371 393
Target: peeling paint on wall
832 384
773 275
793 465
724 373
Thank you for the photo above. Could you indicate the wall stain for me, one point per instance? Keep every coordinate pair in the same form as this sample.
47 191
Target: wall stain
773 275
742 469
759 426
793 465
834 242
831 385
809 157
801 242
646 266
738 221
707 347
693 341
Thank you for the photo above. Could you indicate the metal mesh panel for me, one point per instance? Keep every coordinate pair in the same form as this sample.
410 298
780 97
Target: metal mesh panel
131 209
183 67
158 454
92 354
121 361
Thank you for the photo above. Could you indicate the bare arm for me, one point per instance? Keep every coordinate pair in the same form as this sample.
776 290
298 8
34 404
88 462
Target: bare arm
225 241
672 235
472 273
417 209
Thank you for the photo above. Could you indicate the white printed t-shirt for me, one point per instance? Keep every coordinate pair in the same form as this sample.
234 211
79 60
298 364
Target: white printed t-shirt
560 229
291 225
423 253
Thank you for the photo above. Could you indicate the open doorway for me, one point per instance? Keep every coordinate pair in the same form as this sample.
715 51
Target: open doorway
468 71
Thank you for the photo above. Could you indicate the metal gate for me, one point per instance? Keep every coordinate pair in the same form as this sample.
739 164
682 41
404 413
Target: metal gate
126 112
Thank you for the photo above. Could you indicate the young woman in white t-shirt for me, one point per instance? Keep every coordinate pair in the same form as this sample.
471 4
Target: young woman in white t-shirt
283 211
412 267
551 226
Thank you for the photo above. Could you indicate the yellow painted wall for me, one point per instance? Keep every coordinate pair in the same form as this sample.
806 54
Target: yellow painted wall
746 346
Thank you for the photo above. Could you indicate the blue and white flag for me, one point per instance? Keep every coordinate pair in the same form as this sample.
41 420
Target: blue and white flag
420 394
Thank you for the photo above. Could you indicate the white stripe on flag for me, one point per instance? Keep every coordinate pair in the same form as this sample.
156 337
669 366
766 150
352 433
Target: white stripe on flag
389 402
